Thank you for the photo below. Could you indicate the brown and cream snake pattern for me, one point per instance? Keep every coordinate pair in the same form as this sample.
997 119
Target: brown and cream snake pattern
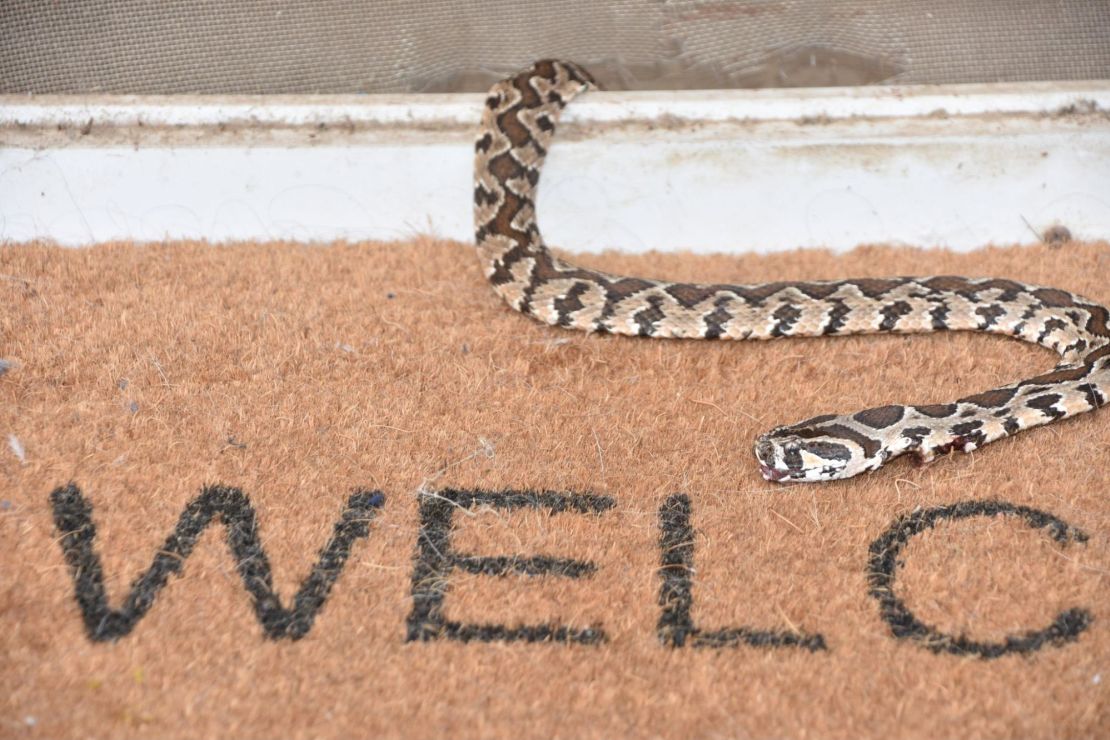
518 124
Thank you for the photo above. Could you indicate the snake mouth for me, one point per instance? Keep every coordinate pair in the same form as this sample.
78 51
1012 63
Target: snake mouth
771 474
765 454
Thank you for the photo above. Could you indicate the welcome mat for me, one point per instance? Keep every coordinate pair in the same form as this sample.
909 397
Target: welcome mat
290 491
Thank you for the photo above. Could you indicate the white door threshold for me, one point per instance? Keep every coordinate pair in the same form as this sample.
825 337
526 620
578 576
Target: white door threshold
957 166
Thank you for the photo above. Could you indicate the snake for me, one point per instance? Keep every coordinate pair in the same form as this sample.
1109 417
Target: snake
517 128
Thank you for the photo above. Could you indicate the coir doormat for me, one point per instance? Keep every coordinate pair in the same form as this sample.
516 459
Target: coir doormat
288 491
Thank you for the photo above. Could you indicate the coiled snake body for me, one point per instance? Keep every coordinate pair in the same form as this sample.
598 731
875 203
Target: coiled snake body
518 124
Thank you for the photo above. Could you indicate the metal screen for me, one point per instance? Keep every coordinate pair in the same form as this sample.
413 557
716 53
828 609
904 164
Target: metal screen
343 46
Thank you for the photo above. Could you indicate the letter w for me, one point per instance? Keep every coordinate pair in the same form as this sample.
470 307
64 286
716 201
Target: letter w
73 518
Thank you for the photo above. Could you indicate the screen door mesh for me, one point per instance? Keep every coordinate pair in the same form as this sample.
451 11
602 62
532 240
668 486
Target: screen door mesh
343 46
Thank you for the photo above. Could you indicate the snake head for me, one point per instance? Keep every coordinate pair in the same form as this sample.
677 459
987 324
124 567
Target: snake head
815 450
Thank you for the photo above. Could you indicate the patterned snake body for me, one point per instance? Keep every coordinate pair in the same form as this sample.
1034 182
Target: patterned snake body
518 125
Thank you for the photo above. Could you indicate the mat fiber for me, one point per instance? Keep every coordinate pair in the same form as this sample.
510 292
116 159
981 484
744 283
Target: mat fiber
280 490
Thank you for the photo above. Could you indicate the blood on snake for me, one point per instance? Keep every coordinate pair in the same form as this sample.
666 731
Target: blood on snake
517 129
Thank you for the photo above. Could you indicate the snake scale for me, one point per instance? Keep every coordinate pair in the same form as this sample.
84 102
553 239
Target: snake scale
518 124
